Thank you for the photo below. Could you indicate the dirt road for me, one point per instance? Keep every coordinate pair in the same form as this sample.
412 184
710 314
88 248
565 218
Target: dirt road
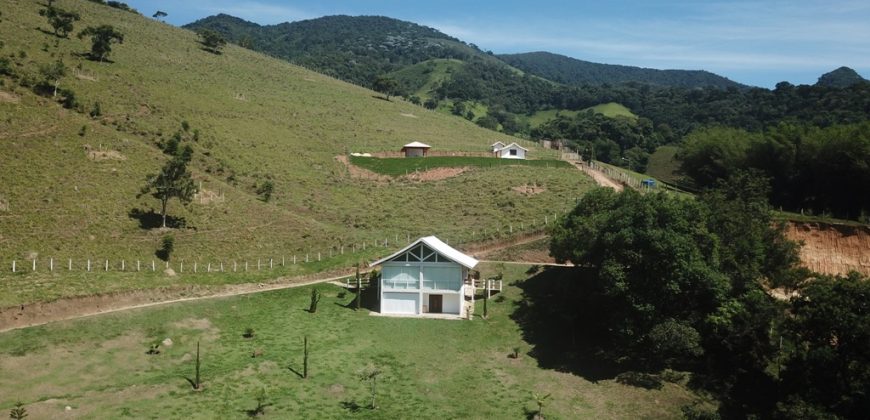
34 314
599 177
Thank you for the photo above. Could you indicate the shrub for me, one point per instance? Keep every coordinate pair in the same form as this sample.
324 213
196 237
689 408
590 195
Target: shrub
96 110
265 190
18 412
249 333
167 244
315 299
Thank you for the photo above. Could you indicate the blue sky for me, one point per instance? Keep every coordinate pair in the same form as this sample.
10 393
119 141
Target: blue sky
754 42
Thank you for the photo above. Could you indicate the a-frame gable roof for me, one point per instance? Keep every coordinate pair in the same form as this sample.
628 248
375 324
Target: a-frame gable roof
439 247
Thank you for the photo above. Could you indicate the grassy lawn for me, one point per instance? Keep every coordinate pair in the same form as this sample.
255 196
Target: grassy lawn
431 368
403 166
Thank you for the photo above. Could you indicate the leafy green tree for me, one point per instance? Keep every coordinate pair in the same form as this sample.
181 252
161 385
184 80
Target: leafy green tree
173 181
60 20
386 85
654 260
52 73
212 41
102 38
829 369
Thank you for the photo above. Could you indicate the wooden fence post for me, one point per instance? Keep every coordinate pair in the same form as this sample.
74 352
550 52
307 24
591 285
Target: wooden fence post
13 266
69 265
107 265
153 266
270 263
194 266
181 266
34 264
51 264
137 265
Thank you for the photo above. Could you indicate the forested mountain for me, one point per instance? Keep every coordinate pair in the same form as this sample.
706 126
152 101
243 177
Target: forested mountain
841 77
354 48
572 71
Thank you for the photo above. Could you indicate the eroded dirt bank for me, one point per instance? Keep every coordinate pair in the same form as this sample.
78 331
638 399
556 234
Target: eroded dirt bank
832 249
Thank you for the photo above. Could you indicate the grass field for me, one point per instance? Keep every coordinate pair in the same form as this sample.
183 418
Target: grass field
404 166
663 164
69 184
611 109
98 366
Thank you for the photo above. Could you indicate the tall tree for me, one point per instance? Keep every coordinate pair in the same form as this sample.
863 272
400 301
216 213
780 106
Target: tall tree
52 73
212 41
60 20
386 85
102 38
828 372
159 15
173 181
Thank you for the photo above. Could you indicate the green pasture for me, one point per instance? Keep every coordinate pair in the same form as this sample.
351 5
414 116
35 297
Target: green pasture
98 366
404 166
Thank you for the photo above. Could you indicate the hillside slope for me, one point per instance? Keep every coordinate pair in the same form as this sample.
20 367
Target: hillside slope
69 182
572 71
354 48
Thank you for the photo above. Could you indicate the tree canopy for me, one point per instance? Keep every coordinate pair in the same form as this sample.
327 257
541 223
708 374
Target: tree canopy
212 41
173 181
60 20
102 38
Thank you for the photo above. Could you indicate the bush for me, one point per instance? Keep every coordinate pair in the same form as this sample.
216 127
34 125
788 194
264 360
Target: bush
167 244
68 98
96 110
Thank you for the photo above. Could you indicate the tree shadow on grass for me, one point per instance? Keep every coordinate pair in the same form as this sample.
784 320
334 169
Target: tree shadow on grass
561 319
298 373
351 406
383 98
152 220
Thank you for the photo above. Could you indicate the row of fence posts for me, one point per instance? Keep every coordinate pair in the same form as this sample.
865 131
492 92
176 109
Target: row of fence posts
219 266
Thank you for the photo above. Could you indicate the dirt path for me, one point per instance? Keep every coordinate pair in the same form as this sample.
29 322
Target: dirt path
599 177
34 314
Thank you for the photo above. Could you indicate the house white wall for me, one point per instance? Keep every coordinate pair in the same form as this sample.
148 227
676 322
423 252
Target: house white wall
400 303
406 286
512 152
414 152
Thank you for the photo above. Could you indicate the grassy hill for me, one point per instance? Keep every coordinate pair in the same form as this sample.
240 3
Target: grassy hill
572 71
69 182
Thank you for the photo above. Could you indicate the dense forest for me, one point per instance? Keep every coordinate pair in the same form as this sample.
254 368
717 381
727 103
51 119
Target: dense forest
356 49
662 285
572 71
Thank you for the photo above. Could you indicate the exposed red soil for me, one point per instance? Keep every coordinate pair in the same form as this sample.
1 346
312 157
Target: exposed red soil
832 249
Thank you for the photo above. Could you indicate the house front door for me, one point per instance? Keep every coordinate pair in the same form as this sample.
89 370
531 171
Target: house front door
435 303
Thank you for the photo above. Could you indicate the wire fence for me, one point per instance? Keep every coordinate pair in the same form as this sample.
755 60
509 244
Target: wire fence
325 257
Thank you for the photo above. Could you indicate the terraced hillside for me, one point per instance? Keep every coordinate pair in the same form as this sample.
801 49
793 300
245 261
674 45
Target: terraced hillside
69 181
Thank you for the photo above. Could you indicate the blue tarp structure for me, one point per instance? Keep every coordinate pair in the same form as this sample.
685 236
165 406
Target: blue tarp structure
649 182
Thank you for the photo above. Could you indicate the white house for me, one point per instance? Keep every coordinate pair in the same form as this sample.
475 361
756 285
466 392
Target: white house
416 149
423 278
511 151
497 146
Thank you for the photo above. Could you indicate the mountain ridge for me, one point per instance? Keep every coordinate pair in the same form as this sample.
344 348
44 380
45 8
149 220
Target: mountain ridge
572 71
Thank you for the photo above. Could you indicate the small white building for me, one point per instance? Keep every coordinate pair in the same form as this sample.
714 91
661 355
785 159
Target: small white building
497 146
511 151
423 278
416 149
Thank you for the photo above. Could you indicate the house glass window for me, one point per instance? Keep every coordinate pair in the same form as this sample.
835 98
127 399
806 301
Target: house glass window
513 152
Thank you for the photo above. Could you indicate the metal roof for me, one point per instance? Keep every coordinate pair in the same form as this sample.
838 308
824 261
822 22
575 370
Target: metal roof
417 144
514 144
438 246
